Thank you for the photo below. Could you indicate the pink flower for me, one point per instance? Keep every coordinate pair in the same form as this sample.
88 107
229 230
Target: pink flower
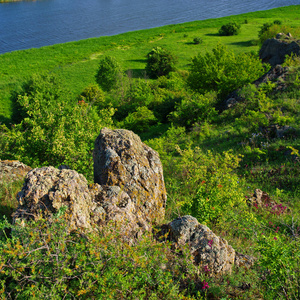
275 238
205 285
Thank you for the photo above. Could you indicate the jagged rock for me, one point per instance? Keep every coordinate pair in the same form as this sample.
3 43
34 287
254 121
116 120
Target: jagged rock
243 260
111 204
260 199
47 189
209 251
273 51
121 159
12 170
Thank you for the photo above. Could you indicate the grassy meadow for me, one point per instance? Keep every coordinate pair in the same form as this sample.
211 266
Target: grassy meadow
53 107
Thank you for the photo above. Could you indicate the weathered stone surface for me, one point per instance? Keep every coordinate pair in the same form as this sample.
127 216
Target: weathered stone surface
47 189
13 170
273 51
209 251
243 260
261 199
121 159
111 204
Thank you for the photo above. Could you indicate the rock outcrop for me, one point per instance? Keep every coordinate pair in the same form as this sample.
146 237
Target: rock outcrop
273 51
210 252
111 204
129 189
121 159
47 189
13 170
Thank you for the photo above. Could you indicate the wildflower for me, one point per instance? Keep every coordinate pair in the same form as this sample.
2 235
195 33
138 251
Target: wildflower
205 285
275 238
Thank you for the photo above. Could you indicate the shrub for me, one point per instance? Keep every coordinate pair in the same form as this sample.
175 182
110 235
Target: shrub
138 93
270 30
218 189
197 40
109 73
222 71
140 120
44 261
194 108
231 28
279 266
56 131
94 96
160 62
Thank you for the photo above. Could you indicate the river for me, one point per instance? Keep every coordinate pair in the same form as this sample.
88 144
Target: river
33 24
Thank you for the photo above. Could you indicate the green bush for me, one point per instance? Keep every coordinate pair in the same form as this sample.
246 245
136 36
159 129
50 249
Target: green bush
160 62
94 96
140 120
56 131
228 29
197 40
44 261
279 265
194 108
137 93
270 30
218 188
222 71
109 73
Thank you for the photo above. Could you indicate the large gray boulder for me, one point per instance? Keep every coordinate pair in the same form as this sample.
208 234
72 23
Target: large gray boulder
273 51
111 204
47 189
210 252
121 159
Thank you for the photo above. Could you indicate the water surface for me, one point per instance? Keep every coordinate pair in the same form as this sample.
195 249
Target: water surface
32 24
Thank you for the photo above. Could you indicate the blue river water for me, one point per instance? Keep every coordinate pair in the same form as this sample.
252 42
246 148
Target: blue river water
33 24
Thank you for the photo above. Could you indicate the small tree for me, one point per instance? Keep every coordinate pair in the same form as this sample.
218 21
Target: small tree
222 71
231 28
160 62
109 73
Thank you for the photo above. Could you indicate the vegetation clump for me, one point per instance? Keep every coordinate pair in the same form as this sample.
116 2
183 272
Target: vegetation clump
231 28
109 73
160 62
223 71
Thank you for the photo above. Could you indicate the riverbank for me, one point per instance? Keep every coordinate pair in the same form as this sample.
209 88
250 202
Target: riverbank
76 62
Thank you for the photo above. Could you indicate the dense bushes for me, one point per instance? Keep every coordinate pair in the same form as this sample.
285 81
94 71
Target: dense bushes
223 71
231 28
55 130
160 62
44 261
109 74
194 108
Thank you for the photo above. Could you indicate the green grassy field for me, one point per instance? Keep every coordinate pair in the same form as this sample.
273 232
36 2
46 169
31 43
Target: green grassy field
76 62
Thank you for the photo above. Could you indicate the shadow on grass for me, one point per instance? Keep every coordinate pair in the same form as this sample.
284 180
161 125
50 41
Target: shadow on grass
4 120
243 44
212 34
139 60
